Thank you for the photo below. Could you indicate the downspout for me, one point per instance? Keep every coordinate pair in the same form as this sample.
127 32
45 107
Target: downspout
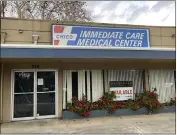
2 66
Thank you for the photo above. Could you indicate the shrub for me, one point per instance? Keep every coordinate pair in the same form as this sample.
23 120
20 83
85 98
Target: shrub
148 99
81 107
173 101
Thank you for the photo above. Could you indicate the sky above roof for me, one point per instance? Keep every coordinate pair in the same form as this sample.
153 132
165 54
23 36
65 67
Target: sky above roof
155 13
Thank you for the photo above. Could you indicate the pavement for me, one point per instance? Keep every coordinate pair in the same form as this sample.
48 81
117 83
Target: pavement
156 123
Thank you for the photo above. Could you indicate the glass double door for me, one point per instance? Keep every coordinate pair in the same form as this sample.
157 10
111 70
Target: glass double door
34 94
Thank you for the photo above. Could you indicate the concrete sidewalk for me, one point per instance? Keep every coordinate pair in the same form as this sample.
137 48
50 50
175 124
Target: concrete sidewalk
158 123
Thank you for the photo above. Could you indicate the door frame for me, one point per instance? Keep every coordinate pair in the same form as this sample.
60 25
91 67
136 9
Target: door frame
35 90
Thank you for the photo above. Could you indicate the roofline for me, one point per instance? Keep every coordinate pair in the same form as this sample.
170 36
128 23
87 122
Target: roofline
82 22
83 47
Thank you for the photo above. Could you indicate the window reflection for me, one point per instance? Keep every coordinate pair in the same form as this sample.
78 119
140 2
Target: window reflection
23 105
24 82
24 75
48 81
46 103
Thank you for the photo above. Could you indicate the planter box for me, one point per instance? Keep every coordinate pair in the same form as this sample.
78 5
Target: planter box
125 112
166 109
98 113
67 115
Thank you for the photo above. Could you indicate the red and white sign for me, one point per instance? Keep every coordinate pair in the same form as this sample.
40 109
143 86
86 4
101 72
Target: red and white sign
62 34
122 93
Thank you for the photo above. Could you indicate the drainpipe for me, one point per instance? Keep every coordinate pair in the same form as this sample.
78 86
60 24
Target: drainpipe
2 66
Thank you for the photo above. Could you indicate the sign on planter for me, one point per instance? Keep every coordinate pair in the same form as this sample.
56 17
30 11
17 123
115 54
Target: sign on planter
64 35
122 89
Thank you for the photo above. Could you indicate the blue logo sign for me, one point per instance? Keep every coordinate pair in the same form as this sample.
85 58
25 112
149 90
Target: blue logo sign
99 36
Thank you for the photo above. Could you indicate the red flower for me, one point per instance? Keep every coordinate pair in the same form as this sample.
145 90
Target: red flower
109 101
74 110
80 105
113 110
134 107
101 98
124 106
86 114
114 106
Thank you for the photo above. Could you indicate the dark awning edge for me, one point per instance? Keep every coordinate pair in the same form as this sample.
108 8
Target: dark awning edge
10 52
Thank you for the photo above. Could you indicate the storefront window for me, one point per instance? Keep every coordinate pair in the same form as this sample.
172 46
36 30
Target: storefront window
164 82
77 83
136 76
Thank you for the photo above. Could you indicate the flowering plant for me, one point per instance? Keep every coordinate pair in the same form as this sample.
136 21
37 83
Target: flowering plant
148 99
106 101
80 106
173 101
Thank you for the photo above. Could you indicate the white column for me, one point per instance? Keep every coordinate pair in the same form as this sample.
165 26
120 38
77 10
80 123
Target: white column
81 83
88 84
64 89
97 84
69 86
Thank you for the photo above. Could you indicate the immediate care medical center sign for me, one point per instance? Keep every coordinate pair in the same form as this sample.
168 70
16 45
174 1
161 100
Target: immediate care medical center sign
63 35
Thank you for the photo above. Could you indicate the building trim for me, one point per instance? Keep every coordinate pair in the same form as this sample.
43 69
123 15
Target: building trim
84 52
83 47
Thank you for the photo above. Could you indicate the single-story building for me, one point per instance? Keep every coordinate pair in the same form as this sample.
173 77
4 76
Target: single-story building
45 63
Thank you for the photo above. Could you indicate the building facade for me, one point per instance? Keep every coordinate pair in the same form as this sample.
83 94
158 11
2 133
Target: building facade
41 71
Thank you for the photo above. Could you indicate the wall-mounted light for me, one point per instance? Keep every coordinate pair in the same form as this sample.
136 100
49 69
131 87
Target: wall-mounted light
20 31
57 21
173 35
3 37
35 38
